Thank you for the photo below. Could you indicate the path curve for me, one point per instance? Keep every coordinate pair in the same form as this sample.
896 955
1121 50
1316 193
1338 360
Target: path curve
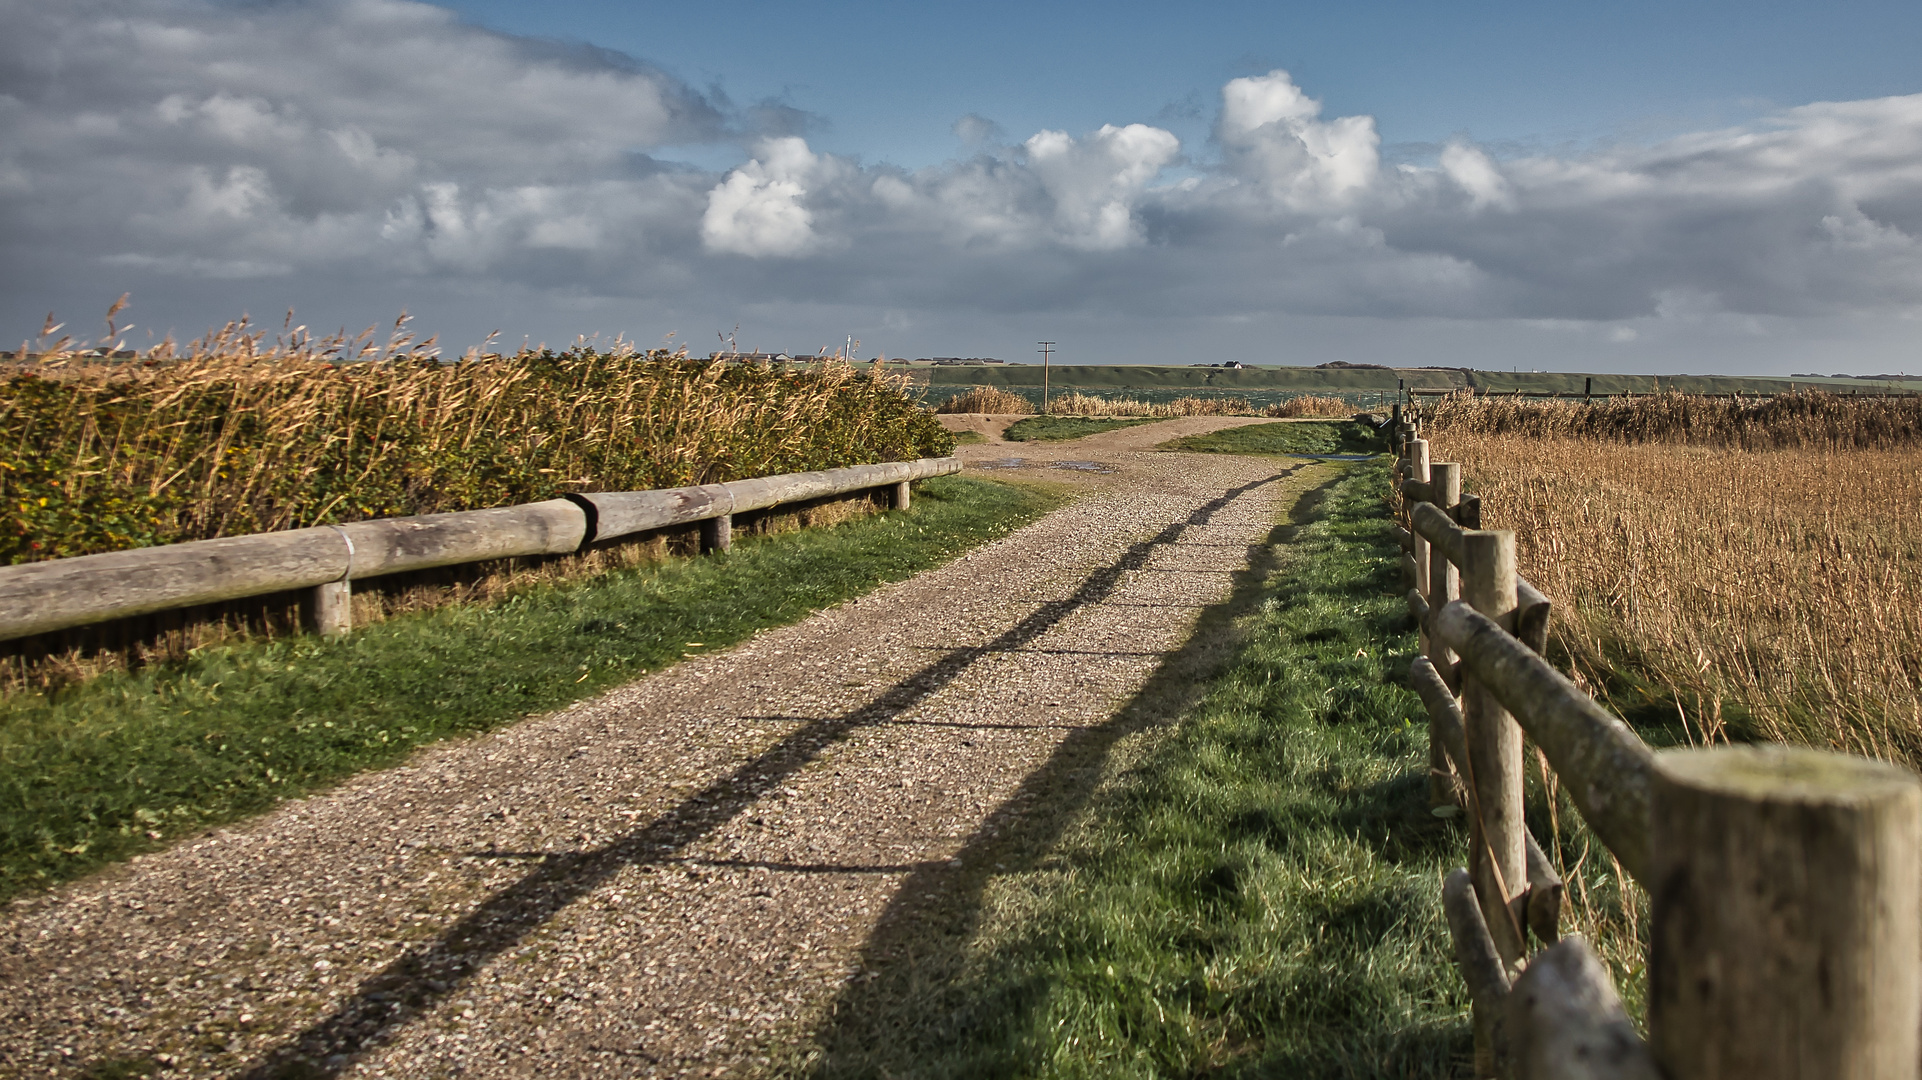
674 877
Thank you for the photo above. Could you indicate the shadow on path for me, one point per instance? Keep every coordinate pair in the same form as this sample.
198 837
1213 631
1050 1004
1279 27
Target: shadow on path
918 949
428 973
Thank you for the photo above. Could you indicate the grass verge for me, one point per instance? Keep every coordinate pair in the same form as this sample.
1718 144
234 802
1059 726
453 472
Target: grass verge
1334 437
1253 891
1054 428
116 765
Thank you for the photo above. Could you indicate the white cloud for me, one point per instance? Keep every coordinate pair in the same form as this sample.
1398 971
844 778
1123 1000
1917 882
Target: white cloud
1476 174
383 142
1272 138
759 209
1095 182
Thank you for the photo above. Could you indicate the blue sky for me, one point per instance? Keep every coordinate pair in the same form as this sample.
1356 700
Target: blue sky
890 79
1644 187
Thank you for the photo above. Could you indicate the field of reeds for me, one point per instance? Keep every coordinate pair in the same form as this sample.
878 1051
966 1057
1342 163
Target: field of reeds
1748 569
985 400
238 434
991 399
1804 420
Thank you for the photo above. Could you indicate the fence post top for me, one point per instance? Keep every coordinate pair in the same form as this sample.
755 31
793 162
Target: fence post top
1786 774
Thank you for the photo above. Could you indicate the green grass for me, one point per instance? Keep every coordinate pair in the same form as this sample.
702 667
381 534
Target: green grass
1051 428
1254 892
1332 437
968 438
119 764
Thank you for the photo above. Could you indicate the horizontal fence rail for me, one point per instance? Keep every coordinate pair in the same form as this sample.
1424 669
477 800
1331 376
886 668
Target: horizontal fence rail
1786 919
38 598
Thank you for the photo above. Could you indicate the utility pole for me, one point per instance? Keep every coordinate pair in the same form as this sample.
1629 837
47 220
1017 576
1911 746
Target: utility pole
1046 348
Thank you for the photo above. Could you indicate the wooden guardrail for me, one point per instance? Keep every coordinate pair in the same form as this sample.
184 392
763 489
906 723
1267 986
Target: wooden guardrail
1785 935
37 598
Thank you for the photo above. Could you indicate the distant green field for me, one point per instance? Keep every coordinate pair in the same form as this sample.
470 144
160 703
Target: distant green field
1056 428
1108 378
1315 437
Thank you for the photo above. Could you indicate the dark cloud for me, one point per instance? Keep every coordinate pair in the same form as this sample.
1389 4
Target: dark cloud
331 150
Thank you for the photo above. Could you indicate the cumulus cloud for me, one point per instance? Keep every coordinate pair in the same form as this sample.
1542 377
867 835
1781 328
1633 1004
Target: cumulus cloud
758 210
1094 182
1272 137
313 141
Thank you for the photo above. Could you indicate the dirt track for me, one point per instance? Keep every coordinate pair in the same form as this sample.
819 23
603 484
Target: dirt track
681 876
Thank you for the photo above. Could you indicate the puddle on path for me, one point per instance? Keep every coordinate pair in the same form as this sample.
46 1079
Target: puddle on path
1086 466
1002 463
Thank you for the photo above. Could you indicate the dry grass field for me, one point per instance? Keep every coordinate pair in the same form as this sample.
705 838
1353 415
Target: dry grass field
989 399
1768 592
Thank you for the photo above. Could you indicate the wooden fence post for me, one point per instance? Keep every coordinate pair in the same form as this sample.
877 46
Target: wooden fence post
1498 846
1786 936
331 608
900 496
1418 470
717 533
1444 490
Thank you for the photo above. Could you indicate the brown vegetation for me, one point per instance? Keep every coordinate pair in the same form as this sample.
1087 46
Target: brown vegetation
1773 595
985 399
1804 420
1311 405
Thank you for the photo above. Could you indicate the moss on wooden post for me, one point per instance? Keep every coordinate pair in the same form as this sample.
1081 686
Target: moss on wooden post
1786 934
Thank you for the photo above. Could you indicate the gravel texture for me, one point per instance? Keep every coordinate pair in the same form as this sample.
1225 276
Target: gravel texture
674 878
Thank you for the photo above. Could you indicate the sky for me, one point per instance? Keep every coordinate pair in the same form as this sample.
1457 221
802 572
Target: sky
1634 187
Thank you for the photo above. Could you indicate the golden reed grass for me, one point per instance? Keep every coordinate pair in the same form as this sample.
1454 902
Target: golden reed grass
988 399
985 399
1774 594
1804 420
1311 405
236 434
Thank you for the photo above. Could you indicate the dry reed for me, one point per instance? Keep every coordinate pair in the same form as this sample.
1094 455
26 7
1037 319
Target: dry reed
236 434
1310 405
985 399
1074 403
1803 420
1774 595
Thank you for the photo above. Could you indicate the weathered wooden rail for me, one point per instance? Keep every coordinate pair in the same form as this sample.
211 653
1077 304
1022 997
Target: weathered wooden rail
1785 884
38 598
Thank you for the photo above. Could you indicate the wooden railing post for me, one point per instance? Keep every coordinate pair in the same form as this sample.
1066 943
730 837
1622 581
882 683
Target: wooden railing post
1498 845
1786 933
1444 490
1418 470
331 608
717 533
900 496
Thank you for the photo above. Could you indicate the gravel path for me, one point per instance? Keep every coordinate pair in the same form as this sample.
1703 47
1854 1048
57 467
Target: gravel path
674 878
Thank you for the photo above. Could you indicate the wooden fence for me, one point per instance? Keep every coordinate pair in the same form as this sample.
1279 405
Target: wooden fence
1785 935
38 598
